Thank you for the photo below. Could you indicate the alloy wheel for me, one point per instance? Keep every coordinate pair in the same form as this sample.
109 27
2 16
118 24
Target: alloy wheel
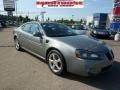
55 62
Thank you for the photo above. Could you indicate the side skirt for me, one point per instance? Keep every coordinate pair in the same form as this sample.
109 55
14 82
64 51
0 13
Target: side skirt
34 53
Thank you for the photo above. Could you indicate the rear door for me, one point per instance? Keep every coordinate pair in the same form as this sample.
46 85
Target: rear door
25 36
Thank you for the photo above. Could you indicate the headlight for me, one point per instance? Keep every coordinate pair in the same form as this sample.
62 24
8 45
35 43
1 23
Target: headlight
84 54
95 32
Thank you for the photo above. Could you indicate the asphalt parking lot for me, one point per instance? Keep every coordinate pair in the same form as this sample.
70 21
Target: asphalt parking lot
23 71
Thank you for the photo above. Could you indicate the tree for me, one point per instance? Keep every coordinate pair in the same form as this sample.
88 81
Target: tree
48 19
36 18
85 22
55 20
26 19
62 20
81 21
71 21
20 18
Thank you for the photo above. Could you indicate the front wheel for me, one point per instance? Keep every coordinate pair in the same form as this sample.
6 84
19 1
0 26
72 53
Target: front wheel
56 62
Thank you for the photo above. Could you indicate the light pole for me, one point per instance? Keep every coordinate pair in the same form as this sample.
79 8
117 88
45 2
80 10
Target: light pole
42 15
16 6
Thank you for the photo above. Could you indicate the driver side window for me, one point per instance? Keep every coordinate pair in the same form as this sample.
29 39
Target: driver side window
34 28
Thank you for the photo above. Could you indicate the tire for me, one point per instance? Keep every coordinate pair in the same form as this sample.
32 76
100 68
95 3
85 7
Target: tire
56 62
17 45
91 34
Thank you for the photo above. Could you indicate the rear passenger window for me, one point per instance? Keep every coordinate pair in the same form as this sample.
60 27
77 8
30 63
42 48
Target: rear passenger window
31 28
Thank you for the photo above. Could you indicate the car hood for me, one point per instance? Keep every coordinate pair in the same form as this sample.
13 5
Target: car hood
83 42
80 32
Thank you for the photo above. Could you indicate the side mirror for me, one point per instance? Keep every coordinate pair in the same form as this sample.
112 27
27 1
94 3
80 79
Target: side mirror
37 34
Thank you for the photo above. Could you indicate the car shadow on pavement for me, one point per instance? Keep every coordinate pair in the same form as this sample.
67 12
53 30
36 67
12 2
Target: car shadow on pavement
104 38
6 45
1 29
107 81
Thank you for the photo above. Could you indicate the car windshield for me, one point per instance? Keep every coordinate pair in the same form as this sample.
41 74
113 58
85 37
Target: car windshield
98 28
57 30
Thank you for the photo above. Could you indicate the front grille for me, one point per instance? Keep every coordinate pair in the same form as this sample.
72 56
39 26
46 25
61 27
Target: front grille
109 56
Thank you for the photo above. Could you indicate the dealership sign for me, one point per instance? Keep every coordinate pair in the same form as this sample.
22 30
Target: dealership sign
116 11
60 3
9 5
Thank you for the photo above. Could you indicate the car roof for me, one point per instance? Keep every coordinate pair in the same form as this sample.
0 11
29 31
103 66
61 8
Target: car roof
40 22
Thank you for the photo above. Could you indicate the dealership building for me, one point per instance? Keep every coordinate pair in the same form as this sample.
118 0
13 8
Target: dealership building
112 19
89 19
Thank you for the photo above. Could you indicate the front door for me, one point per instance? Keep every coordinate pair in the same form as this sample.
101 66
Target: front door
37 43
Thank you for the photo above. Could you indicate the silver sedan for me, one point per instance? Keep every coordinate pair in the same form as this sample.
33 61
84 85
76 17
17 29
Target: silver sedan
63 49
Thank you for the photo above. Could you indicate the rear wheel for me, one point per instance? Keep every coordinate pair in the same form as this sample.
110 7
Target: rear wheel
56 62
17 45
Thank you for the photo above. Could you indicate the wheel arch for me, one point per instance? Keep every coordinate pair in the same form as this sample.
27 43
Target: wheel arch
15 36
52 48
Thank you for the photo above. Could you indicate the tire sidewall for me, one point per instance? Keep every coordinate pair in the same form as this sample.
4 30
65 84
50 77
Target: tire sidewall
16 40
62 71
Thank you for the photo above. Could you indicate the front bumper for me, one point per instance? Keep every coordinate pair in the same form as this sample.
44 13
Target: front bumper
89 67
99 35
113 33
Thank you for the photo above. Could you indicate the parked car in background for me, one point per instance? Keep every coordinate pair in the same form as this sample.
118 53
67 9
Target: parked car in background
0 25
100 32
63 49
3 23
79 29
